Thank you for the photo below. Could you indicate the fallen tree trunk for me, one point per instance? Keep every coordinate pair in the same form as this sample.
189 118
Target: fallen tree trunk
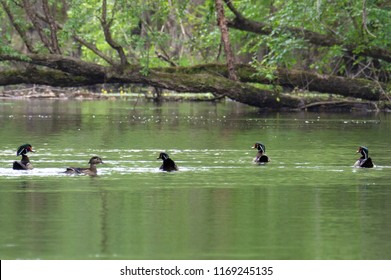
356 88
70 72
76 73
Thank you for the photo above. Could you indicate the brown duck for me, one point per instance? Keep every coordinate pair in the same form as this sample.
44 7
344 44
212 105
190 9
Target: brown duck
92 171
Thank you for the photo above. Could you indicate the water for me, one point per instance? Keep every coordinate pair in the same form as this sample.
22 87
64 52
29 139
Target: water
307 203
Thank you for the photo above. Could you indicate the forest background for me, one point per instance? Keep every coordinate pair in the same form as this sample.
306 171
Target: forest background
299 54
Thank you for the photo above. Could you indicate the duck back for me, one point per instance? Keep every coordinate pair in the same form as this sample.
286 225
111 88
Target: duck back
366 163
18 165
23 164
168 165
262 159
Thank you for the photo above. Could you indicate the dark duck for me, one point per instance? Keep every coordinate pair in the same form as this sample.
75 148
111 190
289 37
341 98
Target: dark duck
23 164
261 157
364 161
168 164
92 171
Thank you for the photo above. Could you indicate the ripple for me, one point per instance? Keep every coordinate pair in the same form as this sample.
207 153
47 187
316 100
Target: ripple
37 172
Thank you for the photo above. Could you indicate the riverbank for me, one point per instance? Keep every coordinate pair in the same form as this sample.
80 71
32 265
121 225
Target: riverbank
314 101
100 92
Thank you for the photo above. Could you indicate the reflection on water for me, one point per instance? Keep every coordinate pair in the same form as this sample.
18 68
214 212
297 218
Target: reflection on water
307 203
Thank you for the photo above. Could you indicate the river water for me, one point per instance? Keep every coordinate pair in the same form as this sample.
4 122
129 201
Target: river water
309 202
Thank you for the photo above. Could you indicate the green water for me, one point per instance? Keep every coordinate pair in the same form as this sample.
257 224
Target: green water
307 203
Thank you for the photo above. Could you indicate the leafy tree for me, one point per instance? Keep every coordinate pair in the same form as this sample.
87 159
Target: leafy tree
166 43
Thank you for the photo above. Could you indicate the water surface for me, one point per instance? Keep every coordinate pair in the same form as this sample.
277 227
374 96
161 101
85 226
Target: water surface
307 203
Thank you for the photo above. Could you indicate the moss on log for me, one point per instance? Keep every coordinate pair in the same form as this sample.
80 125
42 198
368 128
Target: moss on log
57 70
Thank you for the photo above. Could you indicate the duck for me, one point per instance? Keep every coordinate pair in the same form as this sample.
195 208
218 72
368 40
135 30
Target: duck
168 164
92 171
261 157
23 164
364 161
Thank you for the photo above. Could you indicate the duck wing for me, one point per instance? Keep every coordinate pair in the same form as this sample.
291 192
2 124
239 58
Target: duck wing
75 170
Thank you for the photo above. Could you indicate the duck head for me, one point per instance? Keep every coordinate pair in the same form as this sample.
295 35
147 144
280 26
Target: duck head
261 148
24 149
95 160
363 151
163 156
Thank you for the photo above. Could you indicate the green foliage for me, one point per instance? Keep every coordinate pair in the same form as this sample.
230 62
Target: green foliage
262 70
186 31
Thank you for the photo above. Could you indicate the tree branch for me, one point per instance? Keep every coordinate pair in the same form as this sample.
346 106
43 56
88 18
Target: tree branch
30 11
18 28
244 24
108 36
83 42
52 26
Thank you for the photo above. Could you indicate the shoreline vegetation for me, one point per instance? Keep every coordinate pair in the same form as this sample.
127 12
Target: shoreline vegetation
319 102
277 56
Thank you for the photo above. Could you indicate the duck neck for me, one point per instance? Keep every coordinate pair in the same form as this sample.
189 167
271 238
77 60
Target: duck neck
93 167
25 159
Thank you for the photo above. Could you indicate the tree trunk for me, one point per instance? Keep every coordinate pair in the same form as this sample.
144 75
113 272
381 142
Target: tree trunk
222 23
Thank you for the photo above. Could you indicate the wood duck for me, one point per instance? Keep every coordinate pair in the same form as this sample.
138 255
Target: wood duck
364 161
24 164
168 164
92 171
261 157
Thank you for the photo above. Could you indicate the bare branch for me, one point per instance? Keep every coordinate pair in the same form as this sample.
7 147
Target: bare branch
106 25
94 49
83 42
165 57
364 18
52 26
30 11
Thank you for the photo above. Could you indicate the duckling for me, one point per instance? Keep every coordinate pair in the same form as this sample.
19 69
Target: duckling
24 164
168 164
261 157
364 161
92 171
